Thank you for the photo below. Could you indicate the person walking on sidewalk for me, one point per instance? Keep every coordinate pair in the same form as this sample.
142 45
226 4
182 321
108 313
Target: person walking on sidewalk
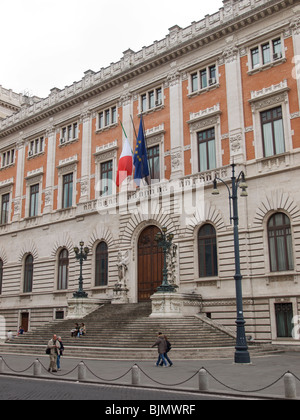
162 348
53 346
60 353
169 346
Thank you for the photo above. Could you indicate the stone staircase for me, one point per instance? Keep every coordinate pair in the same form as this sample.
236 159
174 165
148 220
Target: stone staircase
127 332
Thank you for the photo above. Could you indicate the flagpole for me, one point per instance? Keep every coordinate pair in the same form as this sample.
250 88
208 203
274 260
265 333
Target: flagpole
147 180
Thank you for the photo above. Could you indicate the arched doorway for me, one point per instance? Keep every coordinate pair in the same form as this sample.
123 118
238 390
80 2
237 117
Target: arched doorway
150 264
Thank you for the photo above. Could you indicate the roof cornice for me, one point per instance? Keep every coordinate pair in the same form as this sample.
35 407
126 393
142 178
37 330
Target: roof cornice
235 15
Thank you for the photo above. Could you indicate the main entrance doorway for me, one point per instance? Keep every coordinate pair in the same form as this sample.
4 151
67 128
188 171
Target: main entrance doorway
150 264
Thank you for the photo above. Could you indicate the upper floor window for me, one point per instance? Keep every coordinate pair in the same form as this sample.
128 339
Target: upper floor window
204 78
34 200
8 158
69 133
154 162
106 175
280 243
36 146
151 100
67 199
273 133
266 53
4 208
206 150
107 117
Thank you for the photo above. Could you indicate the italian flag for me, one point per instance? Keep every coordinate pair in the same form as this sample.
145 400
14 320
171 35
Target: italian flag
125 167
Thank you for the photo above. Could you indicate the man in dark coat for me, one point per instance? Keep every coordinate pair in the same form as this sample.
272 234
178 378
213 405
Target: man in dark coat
162 348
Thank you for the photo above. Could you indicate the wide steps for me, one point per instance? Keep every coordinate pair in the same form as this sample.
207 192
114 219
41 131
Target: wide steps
127 332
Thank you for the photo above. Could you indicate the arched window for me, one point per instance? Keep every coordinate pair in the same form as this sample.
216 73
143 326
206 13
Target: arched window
101 272
63 269
1 275
207 251
28 274
280 243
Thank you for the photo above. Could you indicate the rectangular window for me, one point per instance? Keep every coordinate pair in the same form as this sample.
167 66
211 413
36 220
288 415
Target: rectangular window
266 53
284 319
255 57
106 178
107 117
273 133
67 200
151 100
34 200
36 146
206 150
69 133
203 79
8 158
154 162
4 209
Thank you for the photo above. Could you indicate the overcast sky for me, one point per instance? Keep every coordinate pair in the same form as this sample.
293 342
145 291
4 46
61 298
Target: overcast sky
51 43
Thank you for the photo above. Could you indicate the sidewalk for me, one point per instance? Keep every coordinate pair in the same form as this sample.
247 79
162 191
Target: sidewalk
256 377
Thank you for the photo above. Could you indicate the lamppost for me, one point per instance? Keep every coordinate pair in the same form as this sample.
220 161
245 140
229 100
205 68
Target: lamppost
81 255
241 353
164 241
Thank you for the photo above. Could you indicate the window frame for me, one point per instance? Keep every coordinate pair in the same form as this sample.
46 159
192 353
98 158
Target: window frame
213 270
28 274
289 260
151 100
101 273
67 201
63 277
5 211
107 118
208 158
209 74
272 120
259 50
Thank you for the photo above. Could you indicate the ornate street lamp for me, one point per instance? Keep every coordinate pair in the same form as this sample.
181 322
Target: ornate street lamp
164 241
241 353
81 255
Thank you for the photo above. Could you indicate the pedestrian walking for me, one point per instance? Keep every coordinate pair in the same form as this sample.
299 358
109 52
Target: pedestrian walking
53 348
162 349
166 356
60 353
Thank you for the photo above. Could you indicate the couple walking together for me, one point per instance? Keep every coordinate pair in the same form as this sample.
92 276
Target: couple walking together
163 347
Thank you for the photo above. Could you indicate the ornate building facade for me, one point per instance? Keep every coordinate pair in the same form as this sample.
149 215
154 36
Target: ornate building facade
225 89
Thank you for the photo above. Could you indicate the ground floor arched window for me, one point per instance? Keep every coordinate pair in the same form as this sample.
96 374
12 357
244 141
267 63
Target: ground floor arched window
280 243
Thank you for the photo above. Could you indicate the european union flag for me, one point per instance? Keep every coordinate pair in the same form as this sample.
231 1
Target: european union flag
140 159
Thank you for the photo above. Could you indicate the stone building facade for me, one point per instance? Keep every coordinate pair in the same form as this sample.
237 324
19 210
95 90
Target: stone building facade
225 89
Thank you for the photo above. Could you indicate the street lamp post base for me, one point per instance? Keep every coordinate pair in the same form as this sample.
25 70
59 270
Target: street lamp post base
242 357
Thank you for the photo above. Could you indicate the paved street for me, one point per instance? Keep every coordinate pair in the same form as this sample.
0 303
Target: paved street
35 389
264 377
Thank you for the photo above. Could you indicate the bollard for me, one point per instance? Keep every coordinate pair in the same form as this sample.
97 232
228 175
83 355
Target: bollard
135 375
81 372
203 380
37 368
1 365
290 386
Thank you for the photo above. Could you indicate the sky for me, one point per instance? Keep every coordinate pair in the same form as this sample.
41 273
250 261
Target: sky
51 43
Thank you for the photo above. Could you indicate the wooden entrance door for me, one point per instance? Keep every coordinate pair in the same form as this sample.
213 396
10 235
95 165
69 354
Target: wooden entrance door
150 264
25 321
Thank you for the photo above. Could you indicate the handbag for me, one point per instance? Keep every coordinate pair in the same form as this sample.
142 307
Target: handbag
48 350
